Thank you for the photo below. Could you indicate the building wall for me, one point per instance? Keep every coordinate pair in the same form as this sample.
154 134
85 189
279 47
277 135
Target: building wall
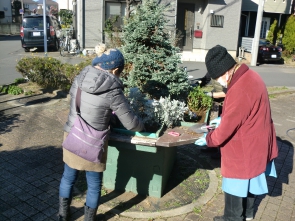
277 6
94 11
65 4
228 35
5 5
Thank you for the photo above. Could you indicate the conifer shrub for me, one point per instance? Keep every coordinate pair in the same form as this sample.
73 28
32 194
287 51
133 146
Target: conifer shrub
151 58
289 35
272 33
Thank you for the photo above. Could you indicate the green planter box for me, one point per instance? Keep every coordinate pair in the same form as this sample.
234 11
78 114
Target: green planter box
137 168
142 162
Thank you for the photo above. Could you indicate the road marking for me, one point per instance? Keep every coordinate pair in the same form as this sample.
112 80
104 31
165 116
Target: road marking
277 124
290 120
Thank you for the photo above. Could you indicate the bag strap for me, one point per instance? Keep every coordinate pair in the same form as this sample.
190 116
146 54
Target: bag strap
78 100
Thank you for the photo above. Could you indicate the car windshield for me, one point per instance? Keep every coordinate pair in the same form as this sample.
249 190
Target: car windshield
36 22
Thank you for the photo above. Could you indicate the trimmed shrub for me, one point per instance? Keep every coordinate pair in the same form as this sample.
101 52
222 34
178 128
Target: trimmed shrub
289 35
49 72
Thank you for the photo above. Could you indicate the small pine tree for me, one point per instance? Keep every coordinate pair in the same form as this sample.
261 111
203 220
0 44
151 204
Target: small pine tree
289 35
272 33
151 59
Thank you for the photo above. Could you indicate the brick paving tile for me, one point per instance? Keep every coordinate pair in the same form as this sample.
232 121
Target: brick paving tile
191 217
31 168
269 212
272 206
284 215
176 218
267 218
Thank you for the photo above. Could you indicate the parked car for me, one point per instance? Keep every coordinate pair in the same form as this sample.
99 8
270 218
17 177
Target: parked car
32 32
268 52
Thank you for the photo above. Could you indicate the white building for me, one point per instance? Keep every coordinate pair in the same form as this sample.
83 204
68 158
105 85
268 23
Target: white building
65 4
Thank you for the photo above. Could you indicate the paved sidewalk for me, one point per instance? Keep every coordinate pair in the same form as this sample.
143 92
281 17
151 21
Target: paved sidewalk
31 167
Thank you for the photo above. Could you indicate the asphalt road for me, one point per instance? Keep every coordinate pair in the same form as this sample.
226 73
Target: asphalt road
11 52
272 74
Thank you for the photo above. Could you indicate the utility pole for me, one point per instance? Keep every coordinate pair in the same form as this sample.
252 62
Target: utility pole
75 18
44 27
23 10
255 43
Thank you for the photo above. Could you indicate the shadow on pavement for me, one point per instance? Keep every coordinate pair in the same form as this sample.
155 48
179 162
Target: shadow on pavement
7 122
284 167
30 183
10 38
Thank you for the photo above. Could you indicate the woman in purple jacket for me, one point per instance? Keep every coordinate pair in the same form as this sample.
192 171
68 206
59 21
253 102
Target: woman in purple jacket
245 135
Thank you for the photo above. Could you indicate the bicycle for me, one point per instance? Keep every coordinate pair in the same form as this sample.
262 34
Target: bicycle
67 44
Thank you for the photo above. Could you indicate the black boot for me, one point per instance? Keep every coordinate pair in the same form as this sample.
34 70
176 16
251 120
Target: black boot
89 213
64 209
233 210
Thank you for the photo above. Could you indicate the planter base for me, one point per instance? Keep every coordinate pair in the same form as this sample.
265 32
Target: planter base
140 169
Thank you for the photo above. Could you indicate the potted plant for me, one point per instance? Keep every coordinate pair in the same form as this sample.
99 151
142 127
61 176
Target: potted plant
199 103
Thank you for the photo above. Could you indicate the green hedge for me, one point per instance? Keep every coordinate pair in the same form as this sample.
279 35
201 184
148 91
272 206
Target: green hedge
49 72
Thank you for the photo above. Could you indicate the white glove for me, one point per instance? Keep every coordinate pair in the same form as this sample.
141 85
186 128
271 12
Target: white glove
215 122
210 94
202 140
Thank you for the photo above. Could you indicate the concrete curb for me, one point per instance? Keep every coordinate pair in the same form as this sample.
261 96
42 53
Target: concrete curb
289 91
208 195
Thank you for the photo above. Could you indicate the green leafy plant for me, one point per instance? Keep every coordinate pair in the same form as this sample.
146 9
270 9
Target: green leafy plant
45 72
289 34
272 33
198 101
49 72
20 80
66 17
14 90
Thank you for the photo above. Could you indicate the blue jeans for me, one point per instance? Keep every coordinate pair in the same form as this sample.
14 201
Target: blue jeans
94 182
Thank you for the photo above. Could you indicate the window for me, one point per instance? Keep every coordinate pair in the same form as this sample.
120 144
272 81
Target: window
2 14
116 9
217 21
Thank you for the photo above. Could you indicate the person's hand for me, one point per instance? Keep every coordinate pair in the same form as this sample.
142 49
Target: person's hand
215 122
202 140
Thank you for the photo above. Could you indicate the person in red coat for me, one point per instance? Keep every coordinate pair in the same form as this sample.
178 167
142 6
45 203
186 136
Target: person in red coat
245 135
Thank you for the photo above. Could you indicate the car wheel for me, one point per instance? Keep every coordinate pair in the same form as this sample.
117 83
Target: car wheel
27 49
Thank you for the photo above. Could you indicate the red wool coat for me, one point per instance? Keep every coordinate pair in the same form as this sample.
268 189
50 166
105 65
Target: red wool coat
246 133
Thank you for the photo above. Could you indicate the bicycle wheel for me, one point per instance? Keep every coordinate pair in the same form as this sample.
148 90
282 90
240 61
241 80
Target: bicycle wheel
61 48
62 51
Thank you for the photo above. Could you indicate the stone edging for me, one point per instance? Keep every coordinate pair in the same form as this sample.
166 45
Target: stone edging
202 200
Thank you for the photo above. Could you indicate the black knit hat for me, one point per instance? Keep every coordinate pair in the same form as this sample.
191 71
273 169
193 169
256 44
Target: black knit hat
218 61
